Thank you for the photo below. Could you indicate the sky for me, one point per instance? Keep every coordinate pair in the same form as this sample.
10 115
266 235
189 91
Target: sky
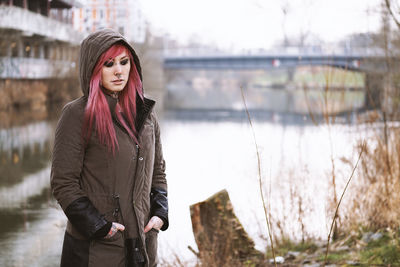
255 24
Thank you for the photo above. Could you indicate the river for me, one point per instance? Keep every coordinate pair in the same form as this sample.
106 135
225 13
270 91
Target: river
205 151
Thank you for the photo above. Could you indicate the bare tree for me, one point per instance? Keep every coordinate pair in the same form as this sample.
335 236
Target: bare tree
393 7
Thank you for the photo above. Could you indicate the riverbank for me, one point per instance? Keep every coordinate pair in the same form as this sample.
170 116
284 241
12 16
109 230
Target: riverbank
357 248
222 241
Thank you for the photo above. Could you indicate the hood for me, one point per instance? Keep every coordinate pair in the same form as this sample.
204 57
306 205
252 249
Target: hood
91 49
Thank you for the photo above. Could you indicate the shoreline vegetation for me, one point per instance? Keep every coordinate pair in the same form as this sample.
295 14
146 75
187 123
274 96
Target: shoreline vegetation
222 241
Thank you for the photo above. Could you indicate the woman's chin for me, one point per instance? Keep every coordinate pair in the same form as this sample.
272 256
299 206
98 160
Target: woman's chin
115 88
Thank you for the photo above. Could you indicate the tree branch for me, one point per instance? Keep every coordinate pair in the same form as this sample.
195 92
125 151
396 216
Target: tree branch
387 3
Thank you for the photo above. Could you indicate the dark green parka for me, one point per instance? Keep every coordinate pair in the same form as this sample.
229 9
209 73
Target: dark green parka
96 187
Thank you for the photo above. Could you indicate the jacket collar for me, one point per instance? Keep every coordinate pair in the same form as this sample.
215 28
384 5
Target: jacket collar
143 110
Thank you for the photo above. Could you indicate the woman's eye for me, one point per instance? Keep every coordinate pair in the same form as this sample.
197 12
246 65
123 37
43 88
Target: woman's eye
108 64
124 62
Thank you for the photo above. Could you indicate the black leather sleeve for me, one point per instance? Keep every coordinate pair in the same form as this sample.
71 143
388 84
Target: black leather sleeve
159 205
87 219
103 231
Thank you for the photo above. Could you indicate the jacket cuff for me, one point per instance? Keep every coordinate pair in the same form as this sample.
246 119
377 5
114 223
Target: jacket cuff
159 205
103 231
86 218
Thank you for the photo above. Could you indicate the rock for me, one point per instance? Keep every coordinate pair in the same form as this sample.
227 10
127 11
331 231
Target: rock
367 237
291 255
278 260
370 236
376 236
219 235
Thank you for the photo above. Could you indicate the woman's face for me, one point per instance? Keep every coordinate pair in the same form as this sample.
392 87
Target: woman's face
115 72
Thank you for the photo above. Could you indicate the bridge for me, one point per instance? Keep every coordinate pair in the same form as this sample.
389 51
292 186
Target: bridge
358 62
190 85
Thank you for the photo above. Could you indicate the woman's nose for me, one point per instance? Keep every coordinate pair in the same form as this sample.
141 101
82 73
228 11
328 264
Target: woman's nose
118 69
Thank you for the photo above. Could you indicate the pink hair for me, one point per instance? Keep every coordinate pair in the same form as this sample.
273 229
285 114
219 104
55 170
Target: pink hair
97 108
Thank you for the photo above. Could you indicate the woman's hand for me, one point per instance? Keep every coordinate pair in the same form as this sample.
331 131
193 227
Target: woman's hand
115 227
155 222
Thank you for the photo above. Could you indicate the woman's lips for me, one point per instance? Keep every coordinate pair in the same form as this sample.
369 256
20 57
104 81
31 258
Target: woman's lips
117 81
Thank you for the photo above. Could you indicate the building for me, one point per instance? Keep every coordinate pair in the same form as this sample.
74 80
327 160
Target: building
124 16
38 52
37 38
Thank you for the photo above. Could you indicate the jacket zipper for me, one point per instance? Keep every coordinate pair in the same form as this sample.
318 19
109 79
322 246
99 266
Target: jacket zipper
134 183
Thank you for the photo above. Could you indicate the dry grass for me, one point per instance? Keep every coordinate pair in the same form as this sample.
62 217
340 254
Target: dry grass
376 197
266 211
340 201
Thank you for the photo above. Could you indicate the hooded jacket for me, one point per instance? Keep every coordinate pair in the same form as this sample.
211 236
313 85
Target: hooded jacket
96 187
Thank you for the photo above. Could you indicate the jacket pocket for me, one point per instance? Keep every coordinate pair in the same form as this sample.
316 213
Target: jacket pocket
118 235
151 246
107 252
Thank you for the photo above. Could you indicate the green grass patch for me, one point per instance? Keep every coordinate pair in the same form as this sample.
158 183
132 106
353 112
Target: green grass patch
335 257
388 254
381 242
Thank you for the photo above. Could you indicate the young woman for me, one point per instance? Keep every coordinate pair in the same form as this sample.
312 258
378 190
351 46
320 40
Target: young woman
108 171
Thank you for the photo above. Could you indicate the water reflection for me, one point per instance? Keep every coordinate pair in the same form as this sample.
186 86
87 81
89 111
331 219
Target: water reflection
30 232
18 194
31 225
17 218
35 239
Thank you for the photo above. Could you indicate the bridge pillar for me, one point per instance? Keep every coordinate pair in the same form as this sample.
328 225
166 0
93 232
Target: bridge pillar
290 74
374 84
